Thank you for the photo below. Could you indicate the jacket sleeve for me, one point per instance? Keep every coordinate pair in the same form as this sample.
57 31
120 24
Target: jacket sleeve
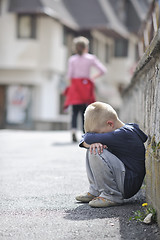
81 143
103 138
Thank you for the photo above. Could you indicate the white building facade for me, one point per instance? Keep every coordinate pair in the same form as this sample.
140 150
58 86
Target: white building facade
34 49
32 62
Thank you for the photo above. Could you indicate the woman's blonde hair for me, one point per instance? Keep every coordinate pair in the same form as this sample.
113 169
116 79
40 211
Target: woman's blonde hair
81 43
96 115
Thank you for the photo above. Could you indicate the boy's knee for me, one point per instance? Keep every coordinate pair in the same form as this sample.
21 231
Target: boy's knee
99 155
94 155
106 153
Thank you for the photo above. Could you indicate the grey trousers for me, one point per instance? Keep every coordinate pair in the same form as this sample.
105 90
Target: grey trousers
106 175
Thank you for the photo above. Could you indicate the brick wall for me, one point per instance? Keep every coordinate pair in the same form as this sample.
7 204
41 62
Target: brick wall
141 104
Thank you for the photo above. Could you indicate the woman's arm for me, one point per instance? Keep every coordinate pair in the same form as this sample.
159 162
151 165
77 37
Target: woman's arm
101 68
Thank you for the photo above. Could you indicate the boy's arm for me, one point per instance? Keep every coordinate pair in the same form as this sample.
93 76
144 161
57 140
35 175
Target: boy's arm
92 146
83 143
103 138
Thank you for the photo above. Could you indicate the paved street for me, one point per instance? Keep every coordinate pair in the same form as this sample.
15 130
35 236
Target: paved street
40 174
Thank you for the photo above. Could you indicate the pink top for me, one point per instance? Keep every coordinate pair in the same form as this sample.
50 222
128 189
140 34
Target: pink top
80 66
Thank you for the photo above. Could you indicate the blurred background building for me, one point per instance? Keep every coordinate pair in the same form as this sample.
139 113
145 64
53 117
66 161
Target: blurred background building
36 41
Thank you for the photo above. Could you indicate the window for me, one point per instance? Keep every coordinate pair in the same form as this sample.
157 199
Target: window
18 104
0 7
26 26
121 48
107 53
96 47
64 36
136 53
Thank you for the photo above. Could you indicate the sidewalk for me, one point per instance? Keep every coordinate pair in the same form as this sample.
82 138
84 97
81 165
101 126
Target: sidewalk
40 175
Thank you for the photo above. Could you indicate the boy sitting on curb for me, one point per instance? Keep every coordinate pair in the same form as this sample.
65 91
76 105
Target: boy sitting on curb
115 159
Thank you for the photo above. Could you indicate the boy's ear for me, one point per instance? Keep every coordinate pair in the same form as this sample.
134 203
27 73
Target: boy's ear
110 123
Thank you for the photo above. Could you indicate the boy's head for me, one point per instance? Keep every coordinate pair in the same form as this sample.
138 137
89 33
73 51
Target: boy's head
100 117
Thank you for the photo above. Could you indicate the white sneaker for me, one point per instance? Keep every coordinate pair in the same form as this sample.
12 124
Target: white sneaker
85 198
102 202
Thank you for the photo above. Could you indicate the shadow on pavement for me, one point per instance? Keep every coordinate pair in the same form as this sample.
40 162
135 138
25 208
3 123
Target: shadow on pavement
85 212
129 229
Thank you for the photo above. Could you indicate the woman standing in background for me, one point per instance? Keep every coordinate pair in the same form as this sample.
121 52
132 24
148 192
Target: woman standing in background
80 92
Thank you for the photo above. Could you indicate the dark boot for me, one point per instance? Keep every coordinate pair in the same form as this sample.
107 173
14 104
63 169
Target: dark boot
74 139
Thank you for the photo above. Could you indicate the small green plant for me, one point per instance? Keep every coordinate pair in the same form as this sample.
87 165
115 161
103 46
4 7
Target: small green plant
141 215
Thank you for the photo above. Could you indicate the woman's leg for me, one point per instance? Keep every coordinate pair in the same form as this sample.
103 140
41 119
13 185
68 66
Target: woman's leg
75 111
82 110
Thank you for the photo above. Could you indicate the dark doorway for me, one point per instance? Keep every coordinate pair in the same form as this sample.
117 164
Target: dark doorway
2 106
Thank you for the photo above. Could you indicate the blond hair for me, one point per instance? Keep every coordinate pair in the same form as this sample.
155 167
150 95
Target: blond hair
97 114
81 43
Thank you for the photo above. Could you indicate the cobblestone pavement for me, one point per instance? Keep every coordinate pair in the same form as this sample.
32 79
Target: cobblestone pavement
40 175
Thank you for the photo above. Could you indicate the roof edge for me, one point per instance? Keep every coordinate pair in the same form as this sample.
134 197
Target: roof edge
46 11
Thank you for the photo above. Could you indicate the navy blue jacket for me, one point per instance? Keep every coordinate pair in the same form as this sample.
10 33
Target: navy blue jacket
126 143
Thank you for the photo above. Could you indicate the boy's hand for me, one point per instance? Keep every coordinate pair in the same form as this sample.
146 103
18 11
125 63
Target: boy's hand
97 146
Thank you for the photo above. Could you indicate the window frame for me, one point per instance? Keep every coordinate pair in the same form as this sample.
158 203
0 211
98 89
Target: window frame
107 53
124 48
0 7
33 26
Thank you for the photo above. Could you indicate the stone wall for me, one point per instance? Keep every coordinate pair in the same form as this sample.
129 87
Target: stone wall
141 104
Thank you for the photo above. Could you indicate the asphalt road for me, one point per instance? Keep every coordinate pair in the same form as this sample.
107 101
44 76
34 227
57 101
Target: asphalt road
40 175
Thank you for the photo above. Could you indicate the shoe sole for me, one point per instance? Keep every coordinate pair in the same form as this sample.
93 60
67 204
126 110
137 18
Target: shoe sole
103 205
83 200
